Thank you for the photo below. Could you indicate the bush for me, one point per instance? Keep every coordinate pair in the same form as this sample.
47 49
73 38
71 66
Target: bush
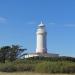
12 67
7 67
45 67
38 65
55 67
24 67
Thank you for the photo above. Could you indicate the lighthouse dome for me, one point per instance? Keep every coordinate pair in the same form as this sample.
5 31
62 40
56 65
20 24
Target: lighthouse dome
41 24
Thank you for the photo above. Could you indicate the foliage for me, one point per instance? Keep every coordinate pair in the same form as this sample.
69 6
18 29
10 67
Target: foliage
10 53
41 66
3 53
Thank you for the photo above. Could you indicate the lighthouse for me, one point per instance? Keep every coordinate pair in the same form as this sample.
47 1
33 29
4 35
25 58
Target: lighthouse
41 39
41 44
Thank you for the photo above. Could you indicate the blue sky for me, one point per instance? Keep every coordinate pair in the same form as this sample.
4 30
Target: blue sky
20 18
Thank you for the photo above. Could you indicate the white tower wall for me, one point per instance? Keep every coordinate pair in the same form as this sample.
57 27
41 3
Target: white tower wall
41 39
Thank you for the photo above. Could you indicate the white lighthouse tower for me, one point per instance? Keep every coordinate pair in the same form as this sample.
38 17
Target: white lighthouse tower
41 39
41 45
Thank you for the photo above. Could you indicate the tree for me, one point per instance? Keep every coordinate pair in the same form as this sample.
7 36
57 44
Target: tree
10 52
14 52
3 53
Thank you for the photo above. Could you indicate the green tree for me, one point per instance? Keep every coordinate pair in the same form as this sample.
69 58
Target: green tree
10 52
14 52
3 53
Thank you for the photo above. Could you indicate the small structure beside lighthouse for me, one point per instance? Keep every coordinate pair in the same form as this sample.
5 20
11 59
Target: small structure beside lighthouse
41 34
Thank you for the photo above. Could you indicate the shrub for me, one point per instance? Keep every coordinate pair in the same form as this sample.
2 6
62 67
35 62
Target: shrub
7 67
24 67
55 67
38 65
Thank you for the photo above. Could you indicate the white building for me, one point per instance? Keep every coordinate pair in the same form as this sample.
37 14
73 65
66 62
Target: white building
41 43
41 39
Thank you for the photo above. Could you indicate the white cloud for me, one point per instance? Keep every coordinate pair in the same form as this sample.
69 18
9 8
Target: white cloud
3 19
69 25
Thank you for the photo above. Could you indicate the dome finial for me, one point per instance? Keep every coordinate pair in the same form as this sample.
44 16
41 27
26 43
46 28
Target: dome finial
41 24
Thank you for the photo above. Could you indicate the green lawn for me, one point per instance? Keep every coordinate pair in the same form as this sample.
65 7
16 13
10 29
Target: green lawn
29 73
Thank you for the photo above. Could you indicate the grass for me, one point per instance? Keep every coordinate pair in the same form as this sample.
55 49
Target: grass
29 73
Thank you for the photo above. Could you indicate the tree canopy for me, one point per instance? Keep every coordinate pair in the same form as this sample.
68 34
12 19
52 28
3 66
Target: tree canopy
10 52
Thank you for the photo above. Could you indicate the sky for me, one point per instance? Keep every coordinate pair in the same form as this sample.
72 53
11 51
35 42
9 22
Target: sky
19 20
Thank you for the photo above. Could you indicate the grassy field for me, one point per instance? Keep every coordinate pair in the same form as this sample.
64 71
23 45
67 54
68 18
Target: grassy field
29 73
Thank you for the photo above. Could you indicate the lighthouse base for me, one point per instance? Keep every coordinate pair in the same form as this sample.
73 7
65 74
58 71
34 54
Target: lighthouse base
41 55
41 51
